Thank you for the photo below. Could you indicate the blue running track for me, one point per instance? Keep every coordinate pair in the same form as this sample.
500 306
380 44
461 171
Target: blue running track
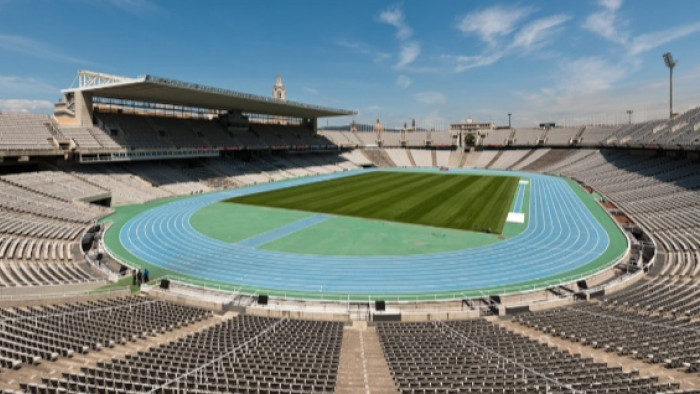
561 236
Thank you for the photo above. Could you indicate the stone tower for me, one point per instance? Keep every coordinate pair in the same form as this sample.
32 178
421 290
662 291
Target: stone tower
278 91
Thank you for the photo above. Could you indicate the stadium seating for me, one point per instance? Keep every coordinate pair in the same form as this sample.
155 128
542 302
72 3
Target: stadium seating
529 158
442 139
32 334
43 214
25 132
442 158
496 137
399 157
528 137
422 157
416 138
477 356
243 354
90 138
654 339
658 193
508 158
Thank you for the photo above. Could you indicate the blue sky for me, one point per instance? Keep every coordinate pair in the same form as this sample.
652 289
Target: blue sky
438 62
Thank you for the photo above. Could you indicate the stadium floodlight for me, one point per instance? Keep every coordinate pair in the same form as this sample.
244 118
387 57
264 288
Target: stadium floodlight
670 63
629 114
509 119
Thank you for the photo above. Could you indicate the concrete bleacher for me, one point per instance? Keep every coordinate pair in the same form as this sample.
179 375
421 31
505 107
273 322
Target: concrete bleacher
594 136
124 186
528 137
399 157
25 132
508 158
367 138
169 178
58 184
535 155
496 137
356 157
339 138
484 158
416 138
92 138
441 139
392 138
561 136
422 157
442 157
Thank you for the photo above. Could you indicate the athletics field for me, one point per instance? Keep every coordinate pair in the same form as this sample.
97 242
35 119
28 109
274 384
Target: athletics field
411 237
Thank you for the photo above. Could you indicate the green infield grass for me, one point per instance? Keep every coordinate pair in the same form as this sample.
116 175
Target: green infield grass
463 202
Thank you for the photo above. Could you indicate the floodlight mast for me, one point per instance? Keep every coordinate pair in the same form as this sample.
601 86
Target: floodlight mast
670 63
629 114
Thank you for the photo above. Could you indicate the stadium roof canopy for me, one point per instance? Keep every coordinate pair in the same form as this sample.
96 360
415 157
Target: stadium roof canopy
154 89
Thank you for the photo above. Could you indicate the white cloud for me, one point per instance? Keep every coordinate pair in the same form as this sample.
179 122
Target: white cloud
430 97
365 49
538 31
533 35
652 40
404 81
394 17
408 54
590 75
491 23
28 46
310 90
606 23
24 85
25 106
464 63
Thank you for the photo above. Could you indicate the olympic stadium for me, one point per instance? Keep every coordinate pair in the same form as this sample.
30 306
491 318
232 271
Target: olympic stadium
283 256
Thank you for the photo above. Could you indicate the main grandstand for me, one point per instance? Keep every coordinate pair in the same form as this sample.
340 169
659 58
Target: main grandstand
135 173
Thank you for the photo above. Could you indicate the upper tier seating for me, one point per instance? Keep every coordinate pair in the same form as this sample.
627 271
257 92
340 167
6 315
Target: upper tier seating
496 138
441 138
528 137
416 138
25 132
561 136
92 138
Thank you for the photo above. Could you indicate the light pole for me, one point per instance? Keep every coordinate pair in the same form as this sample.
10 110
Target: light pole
670 63
629 114
509 119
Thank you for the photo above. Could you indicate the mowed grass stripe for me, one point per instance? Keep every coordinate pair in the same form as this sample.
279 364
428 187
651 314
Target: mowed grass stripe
464 202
